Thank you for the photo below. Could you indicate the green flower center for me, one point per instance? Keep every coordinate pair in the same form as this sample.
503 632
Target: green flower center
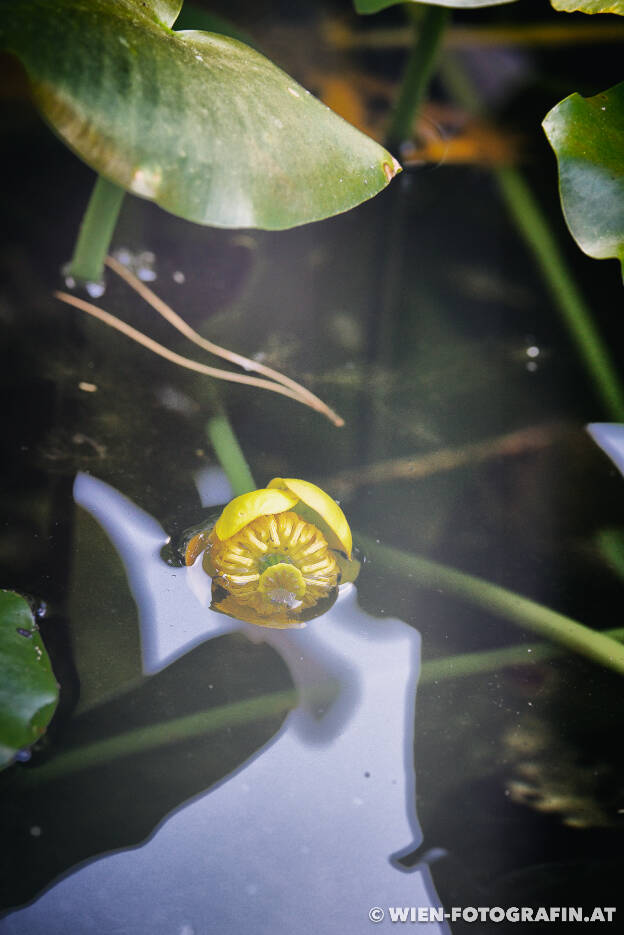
274 559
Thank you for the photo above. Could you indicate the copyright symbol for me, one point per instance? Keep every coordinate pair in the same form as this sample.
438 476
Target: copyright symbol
376 914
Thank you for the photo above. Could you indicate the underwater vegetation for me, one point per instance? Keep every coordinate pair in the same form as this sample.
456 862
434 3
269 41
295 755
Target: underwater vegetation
388 214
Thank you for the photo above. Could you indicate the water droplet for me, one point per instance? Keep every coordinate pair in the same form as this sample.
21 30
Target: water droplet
35 831
141 264
23 632
532 351
23 756
179 277
145 266
95 289
124 256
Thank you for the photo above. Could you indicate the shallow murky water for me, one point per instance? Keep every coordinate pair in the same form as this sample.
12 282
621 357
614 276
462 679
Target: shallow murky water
422 320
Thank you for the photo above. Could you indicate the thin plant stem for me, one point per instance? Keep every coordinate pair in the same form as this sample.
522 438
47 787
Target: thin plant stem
230 454
96 231
245 362
145 739
418 466
497 600
113 322
428 33
532 224
463 665
338 36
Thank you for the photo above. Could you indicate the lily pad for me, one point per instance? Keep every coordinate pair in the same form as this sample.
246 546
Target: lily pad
197 122
373 6
587 135
28 689
589 6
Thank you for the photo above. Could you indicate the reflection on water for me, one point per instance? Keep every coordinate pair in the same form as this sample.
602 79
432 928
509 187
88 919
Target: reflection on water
610 437
311 826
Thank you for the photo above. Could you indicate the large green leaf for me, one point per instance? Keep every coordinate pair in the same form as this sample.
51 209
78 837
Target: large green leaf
28 690
589 6
587 135
373 6
200 123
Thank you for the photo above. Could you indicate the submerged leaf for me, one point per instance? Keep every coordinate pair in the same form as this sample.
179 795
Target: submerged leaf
587 135
197 122
373 6
28 689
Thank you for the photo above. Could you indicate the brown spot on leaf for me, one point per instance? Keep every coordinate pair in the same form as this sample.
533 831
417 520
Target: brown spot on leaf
391 170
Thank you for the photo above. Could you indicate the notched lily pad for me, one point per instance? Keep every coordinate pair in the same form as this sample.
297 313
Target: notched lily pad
197 122
373 6
587 135
28 689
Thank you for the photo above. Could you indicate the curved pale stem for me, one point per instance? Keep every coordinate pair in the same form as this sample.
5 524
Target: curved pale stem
245 362
188 363
113 322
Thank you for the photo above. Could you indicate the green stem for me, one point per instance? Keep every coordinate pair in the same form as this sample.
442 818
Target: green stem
495 599
428 33
532 224
535 230
96 231
493 660
145 739
230 454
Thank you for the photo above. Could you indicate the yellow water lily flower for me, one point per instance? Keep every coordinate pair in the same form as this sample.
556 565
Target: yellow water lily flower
277 555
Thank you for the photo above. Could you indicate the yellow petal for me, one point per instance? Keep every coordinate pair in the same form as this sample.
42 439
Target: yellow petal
322 504
249 506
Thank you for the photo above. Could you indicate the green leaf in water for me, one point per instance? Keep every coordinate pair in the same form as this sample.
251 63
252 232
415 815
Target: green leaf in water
373 6
587 135
28 689
589 6
197 122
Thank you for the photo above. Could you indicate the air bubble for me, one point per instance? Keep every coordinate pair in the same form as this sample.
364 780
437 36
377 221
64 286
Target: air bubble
95 289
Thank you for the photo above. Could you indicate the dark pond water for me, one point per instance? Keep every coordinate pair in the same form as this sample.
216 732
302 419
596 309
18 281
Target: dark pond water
422 319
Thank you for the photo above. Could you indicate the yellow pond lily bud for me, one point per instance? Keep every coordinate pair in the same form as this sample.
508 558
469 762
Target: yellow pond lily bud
276 556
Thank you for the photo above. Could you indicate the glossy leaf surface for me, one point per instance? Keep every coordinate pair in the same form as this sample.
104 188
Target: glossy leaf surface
587 135
28 689
197 122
